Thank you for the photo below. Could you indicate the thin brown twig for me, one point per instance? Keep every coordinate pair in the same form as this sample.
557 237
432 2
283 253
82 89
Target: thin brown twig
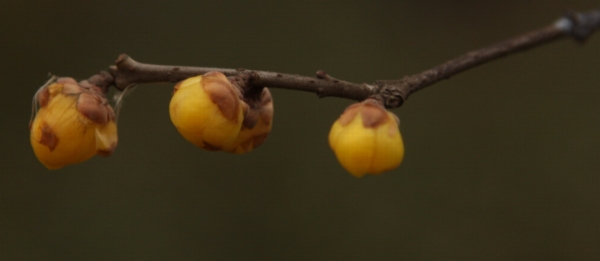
127 71
393 93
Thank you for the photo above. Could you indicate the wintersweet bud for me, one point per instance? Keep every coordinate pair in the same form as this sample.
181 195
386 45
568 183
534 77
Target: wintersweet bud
74 123
366 139
207 111
257 123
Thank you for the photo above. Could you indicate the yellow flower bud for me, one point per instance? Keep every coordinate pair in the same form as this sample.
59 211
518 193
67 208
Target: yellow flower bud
257 123
207 111
73 124
366 139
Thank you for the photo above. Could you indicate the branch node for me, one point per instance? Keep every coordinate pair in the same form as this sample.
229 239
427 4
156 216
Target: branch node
580 25
393 93
321 74
324 76
122 57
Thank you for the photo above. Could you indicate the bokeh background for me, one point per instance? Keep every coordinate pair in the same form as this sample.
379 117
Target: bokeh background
502 162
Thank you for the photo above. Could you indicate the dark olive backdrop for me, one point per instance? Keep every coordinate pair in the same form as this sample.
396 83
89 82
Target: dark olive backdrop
502 162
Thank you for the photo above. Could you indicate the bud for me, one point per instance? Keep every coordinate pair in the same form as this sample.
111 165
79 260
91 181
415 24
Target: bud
257 123
207 111
74 123
366 139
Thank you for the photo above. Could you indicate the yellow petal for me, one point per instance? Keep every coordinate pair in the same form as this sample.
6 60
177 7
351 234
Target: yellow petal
106 138
60 135
367 145
389 148
199 120
258 122
248 139
354 146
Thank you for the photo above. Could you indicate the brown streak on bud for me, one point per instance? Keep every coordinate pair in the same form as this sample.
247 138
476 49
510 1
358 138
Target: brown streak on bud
85 84
221 93
176 88
69 86
43 97
93 89
66 80
266 106
107 152
92 102
373 115
91 107
349 114
251 118
49 138
265 97
373 102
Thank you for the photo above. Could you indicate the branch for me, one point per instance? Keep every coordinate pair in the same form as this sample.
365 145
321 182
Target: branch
127 72
578 25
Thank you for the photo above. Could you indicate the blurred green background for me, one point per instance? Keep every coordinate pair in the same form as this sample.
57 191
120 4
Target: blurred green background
502 162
